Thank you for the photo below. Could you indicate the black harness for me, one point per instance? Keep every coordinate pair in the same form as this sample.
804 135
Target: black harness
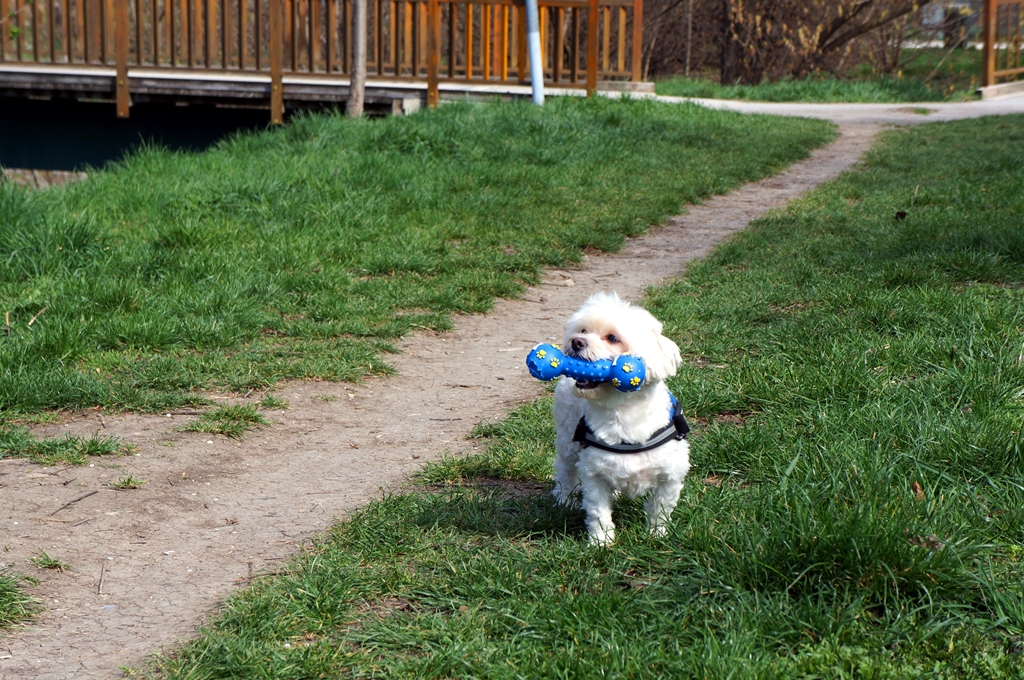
676 429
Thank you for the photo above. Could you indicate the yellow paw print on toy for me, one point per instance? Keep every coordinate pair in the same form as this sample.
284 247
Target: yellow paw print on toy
615 382
634 381
627 368
541 354
554 363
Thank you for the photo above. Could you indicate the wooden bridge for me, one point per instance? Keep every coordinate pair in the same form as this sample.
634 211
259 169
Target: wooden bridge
277 53
1002 63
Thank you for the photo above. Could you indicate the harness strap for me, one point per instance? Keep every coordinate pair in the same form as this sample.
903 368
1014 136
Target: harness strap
676 429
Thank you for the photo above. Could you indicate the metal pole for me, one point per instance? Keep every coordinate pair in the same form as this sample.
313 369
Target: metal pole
689 34
536 67
357 87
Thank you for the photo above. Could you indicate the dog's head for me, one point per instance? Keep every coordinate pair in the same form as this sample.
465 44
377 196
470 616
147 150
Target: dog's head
607 326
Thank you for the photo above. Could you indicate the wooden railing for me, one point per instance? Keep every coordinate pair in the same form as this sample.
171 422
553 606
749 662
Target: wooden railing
1002 24
583 41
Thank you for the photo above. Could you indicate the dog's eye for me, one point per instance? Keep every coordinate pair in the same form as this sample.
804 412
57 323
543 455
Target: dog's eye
612 338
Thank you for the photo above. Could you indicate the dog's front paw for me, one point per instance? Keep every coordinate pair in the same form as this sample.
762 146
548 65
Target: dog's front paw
658 530
602 538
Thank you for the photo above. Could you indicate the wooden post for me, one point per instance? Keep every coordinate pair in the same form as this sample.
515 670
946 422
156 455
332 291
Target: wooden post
485 41
225 34
559 55
169 35
606 37
332 33
18 38
186 30
988 30
52 30
155 26
243 33
574 46
276 59
139 40
469 41
346 37
502 11
66 19
521 42
197 27
433 48
638 41
121 52
211 33
4 30
315 31
592 37
452 38
357 84
35 31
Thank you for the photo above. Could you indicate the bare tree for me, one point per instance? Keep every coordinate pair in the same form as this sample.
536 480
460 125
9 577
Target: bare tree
773 38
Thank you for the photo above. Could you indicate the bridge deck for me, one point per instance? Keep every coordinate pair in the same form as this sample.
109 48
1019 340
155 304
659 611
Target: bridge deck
289 53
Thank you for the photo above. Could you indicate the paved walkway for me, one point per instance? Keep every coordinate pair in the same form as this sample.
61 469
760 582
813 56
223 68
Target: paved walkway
878 114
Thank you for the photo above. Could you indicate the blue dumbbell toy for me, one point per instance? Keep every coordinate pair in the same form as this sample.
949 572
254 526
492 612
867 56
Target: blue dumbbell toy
626 372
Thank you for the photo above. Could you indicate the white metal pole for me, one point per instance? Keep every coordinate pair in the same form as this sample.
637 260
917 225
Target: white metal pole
536 67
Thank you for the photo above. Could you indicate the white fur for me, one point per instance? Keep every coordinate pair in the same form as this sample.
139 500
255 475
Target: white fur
617 417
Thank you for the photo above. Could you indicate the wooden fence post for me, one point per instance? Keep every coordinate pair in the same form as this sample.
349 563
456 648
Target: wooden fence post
592 37
638 41
4 30
276 59
433 48
121 54
988 31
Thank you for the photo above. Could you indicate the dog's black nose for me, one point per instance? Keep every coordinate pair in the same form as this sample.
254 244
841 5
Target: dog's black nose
578 344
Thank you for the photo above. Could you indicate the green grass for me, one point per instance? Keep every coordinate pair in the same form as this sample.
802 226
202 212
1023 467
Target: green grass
929 75
128 482
17 442
15 605
305 251
869 522
44 561
272 403
230 421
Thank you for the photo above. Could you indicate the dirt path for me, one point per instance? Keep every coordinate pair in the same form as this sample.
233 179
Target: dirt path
875 114
214 510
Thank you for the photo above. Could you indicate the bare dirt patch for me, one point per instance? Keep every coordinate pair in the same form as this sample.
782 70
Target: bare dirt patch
215 510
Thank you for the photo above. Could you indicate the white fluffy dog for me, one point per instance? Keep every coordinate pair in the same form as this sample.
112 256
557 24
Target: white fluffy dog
603 328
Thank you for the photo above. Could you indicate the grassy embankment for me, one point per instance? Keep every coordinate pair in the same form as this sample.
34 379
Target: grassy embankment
856 507
306 251
929 75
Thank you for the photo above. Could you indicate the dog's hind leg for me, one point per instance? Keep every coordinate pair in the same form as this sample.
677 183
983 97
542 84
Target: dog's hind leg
597 503
662 502
567 479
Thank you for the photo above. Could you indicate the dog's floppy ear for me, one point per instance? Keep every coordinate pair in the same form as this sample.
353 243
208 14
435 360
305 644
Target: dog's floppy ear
663 362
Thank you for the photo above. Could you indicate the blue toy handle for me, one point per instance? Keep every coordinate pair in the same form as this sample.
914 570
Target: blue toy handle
626 372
